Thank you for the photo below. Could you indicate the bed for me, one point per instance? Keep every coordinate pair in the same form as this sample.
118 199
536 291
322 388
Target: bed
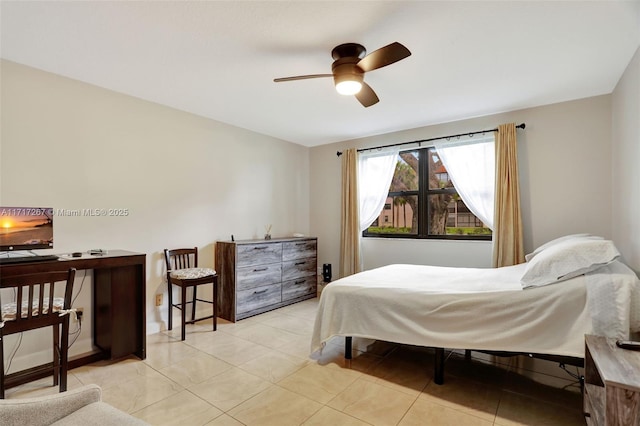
542 307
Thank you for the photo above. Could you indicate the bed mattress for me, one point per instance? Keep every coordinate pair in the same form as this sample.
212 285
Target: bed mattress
482 309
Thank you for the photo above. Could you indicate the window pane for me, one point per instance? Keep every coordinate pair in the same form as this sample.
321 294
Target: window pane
397 217
448 215
438 176
406 175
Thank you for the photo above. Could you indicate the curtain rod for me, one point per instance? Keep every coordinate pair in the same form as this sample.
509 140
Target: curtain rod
519 126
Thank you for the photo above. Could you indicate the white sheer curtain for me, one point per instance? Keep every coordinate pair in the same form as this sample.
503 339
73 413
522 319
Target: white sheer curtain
375 171
471 166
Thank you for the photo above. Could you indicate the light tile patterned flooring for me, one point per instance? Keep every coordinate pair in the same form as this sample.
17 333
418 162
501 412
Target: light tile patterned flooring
258 372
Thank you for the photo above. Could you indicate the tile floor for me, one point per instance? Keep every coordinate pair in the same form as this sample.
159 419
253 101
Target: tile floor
258 372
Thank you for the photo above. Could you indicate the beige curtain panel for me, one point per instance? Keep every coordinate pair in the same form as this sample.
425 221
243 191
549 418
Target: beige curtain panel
350 221
508 248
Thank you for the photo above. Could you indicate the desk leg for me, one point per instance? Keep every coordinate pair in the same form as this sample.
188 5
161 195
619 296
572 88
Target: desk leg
119 310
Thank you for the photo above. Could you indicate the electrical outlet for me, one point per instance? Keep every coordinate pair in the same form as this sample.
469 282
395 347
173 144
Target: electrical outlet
79 313
159 299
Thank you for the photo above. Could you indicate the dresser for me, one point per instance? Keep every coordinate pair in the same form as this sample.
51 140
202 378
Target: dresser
612 383
255 276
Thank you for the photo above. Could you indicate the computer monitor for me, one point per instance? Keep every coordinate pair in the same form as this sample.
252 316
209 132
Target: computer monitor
26 228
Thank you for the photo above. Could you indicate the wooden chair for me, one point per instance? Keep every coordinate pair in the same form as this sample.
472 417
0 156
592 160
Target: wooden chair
37 303
183 271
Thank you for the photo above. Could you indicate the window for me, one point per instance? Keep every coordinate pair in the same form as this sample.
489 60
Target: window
423 203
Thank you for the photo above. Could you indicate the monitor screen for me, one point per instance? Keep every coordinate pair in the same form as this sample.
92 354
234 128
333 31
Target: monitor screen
26 228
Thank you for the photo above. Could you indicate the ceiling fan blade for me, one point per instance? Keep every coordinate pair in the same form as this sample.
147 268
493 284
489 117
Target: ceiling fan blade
301 77
367 96
384 56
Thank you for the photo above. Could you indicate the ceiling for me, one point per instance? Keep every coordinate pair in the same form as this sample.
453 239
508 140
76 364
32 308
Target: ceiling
218 59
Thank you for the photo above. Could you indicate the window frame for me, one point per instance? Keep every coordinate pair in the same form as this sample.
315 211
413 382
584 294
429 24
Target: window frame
423 206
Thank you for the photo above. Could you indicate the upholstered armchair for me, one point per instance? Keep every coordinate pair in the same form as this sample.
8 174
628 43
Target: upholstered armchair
82 406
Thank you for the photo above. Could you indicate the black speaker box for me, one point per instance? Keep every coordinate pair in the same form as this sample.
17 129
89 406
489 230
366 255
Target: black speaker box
326 272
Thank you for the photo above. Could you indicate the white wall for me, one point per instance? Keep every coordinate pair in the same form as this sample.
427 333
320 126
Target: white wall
186 180
625 163
565 175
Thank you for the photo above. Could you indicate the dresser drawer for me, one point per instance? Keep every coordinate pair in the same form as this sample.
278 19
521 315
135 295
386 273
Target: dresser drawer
298 268
299 287
259 254
298 249
258 275
256 298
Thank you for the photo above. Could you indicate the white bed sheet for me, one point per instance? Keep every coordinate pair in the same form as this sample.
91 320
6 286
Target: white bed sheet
472 308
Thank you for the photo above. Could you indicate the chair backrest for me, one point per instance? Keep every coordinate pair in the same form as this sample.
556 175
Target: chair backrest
181 258
36 301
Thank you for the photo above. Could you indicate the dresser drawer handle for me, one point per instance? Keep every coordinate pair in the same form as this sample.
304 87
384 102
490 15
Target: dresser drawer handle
260 269
300 244
300 282
300 263
260 248
261 291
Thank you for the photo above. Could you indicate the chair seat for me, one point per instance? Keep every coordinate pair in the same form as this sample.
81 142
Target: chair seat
191 273
9 309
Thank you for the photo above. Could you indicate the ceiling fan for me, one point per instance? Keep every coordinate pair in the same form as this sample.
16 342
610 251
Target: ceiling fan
350 64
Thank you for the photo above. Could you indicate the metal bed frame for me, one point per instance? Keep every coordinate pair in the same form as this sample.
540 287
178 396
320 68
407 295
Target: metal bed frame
438 374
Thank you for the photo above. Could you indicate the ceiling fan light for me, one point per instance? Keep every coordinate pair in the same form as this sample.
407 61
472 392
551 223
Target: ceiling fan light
348 87
347 76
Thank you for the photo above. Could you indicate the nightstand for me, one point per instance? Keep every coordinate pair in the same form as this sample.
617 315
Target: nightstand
612 383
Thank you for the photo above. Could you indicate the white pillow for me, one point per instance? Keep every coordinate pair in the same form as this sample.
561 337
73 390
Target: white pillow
551 243
568 259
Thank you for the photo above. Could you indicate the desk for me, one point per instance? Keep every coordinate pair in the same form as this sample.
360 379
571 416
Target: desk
119 305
